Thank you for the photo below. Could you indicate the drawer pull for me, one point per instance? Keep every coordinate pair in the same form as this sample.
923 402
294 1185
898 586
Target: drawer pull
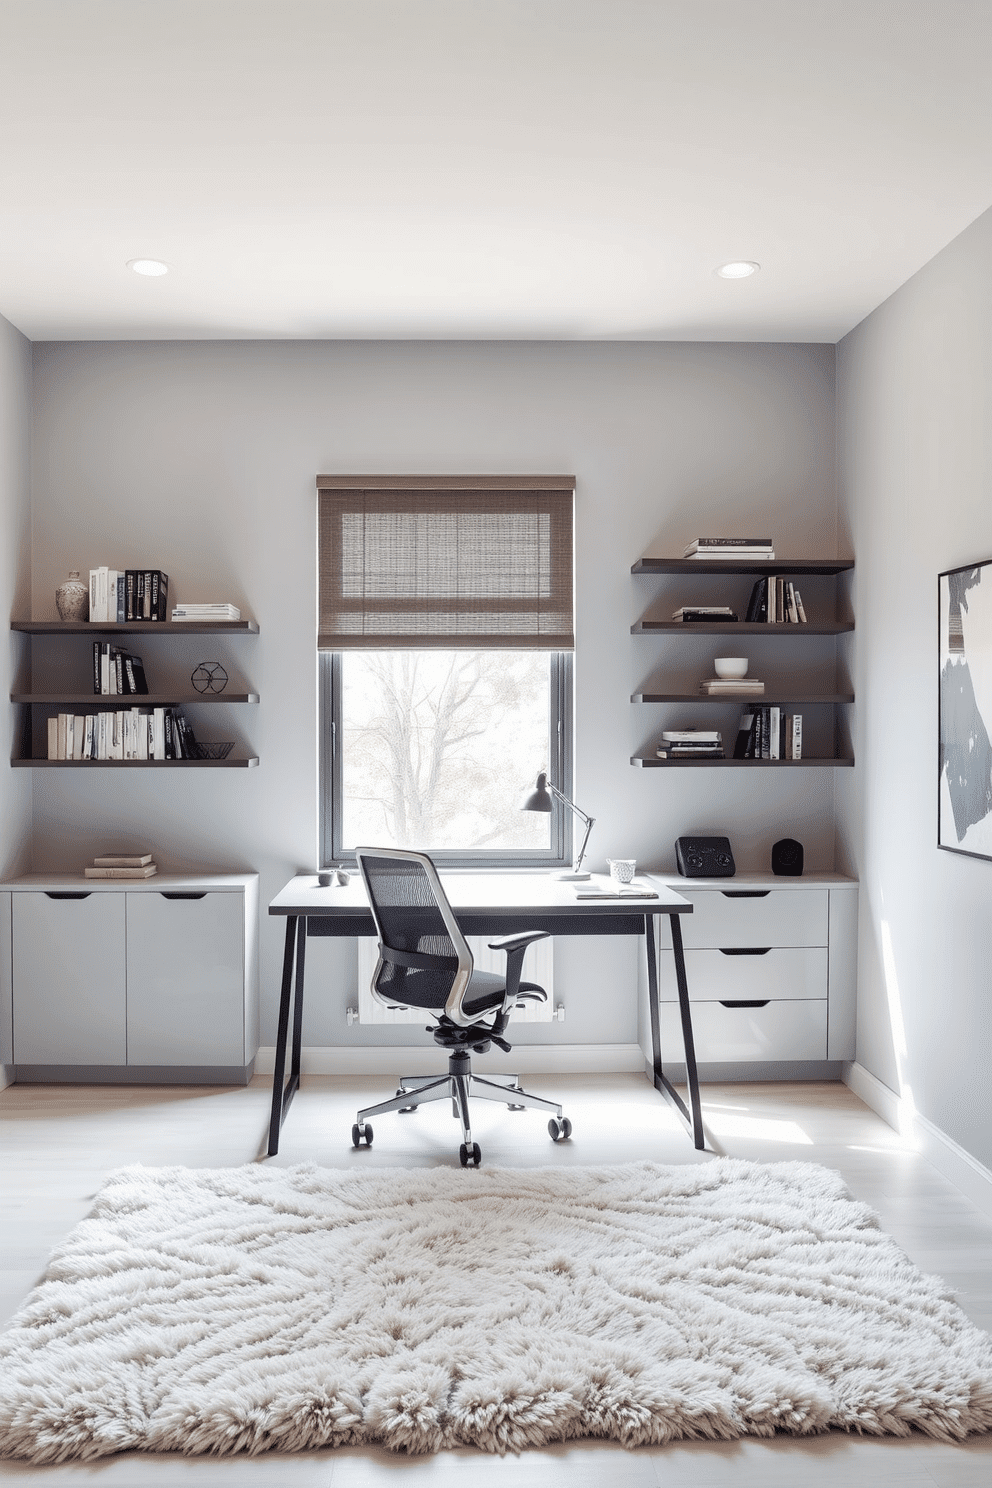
744 950
745 893
174 894
67 894
744 1004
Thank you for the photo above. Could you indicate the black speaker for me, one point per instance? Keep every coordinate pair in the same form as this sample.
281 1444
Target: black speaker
704 857
787 858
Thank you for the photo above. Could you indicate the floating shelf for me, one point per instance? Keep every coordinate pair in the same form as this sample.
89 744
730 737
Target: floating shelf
738 627
651 762
743 698
248 763
109 701
135 627
742 566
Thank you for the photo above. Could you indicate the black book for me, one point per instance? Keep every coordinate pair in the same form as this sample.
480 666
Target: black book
163 596
762 615
135 670
744 734
698 616
187 739
96 667
130 594
153 601
117 671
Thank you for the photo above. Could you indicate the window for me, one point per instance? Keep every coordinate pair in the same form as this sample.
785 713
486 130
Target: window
445 642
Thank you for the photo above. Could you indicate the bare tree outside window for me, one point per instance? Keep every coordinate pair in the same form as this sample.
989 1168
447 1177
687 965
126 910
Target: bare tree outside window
438 748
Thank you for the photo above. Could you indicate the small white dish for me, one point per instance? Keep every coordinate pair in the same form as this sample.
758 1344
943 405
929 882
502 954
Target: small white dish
730 666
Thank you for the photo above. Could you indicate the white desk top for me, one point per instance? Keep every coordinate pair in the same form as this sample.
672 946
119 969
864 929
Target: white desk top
485 893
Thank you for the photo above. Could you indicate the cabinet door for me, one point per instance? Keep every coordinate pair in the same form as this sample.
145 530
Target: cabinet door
779 917
68 972
185 979
780 973
777 1031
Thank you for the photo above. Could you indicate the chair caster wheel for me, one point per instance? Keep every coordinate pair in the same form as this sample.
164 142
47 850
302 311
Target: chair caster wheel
470 1155
360 1134
559 1129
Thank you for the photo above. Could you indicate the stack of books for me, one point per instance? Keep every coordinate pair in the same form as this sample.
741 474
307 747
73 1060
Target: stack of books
730 547
123 595
690 744
769 733
117 672
137 865
128 734
691 613
776 601
731 686
206 612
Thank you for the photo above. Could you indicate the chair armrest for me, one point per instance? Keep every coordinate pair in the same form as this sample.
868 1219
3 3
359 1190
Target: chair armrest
518 942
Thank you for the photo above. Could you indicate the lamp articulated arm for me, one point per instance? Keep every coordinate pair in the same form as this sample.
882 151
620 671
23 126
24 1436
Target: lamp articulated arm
590 822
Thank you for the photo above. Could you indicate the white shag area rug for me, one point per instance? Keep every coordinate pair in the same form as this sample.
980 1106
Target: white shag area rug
249 1309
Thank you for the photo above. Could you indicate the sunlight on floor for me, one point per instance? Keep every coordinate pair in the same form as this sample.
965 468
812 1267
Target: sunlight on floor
760 1128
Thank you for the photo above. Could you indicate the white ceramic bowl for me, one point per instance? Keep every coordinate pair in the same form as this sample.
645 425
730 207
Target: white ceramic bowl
731 666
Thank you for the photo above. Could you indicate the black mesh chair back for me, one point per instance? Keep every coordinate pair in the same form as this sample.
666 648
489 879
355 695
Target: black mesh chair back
424 959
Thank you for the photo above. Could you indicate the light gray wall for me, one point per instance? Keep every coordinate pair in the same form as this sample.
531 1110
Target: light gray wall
200 459
15 582
15 602
915 474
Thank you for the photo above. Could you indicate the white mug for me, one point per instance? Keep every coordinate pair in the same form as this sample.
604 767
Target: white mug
622 869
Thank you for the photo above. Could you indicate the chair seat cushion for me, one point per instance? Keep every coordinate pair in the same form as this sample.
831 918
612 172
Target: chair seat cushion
486 990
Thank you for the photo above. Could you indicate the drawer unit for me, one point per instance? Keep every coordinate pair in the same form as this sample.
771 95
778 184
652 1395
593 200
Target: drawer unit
70 1002
739 1035
778 973
763 917
789 945
121 980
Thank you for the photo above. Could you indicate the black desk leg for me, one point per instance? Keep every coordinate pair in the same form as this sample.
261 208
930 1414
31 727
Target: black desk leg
693 1118
281 1093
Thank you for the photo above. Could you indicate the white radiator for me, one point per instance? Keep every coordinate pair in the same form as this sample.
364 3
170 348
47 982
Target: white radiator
538 967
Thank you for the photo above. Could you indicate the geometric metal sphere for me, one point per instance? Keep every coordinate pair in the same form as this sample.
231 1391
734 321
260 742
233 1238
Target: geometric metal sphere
209 676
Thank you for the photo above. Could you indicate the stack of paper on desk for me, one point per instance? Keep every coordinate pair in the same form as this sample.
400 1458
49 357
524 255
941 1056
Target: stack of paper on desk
605 888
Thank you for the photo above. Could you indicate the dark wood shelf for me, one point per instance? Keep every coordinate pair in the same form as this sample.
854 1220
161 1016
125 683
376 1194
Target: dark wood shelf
135 627
742 566
651 762
230 763
744 697
738 627
109 701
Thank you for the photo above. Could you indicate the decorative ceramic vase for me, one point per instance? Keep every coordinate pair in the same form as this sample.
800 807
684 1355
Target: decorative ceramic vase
72 599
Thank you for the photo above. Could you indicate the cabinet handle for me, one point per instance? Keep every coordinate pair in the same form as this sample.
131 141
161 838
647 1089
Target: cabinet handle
66 894
745 1004
177 894
745 893
744 950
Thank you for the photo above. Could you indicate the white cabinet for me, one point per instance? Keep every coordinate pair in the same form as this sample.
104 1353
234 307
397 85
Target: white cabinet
771 966
128 980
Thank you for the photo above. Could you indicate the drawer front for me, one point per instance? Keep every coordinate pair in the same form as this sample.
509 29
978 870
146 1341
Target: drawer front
780 1030
68 972
185 979
780 918
795 974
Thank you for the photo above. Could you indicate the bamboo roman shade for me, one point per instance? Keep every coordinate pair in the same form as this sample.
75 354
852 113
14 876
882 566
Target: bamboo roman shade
445 561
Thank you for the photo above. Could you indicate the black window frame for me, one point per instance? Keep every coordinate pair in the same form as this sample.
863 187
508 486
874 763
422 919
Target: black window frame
559 765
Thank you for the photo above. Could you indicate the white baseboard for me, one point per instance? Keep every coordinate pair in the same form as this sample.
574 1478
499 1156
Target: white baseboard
6 1076
403 1059
947 1156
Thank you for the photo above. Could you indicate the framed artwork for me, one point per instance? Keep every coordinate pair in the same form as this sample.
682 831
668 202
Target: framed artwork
964 792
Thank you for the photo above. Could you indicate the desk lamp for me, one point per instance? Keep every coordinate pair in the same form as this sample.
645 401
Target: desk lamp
539 799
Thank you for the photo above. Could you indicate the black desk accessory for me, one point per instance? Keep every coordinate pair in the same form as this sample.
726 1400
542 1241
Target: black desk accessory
705 857
787 858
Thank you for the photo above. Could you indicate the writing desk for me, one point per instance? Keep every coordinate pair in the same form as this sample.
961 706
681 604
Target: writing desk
494 904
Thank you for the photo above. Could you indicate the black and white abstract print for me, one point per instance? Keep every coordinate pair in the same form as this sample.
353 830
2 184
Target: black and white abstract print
965 790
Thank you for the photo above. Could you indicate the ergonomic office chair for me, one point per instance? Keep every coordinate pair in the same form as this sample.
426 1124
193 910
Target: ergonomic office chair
425 962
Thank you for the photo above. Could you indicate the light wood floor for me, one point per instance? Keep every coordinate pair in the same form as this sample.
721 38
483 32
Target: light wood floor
58 1144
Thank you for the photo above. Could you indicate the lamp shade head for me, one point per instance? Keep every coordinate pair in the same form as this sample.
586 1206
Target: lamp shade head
539 799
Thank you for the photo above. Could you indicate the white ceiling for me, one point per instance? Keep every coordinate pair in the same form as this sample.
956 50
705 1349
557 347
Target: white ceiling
554 169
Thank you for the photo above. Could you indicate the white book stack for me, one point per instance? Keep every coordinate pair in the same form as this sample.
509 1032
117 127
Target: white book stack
731 687
122 865
730 547
201 612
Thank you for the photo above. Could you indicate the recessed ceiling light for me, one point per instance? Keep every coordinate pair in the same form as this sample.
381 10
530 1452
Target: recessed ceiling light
737 270
151 267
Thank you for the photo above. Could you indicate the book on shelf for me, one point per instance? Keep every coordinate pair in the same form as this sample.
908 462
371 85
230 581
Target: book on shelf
148 871
771 734
689 751
206 612
749 553
794 736
731 686
123 734
122 860
745 732
697 613
125 595
116 672
707 544
692 736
